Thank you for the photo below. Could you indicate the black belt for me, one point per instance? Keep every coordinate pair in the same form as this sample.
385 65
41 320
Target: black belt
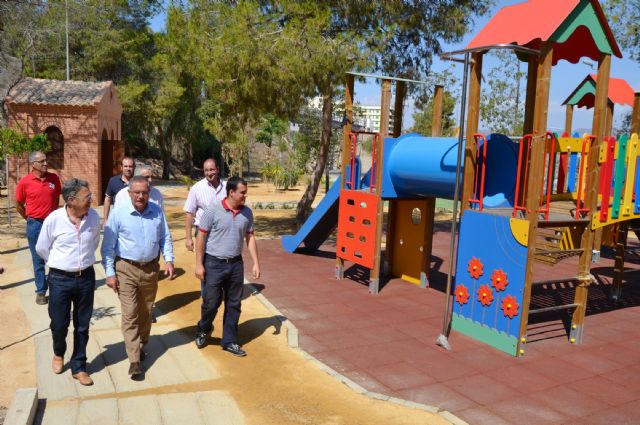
226 260
79 273
37 219
137 263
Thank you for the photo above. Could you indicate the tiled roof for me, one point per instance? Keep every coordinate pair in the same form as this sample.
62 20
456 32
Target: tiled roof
36 91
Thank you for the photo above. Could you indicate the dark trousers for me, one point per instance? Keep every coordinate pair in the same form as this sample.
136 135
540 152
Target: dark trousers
33 231
64 292
222 281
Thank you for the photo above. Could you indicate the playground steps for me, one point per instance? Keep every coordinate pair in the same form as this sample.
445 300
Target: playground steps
554 244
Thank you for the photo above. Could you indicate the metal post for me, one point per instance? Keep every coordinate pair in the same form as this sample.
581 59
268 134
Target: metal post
442 339
66 28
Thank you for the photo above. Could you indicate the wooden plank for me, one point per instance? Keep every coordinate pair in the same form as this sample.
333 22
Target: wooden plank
609 119
346 142
536 171
530 102
473 115
618 268
591 194
385 104
436 117
398 112
635 114
568 120
398 107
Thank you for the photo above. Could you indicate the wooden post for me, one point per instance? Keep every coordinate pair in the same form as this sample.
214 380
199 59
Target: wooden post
618 268
436 117
398 107
385 104
398 112
529 106
568 121
536 172
635 114
346 150
591 198
609 119
473 115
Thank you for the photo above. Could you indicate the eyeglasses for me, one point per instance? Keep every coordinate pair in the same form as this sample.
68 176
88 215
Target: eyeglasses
84 198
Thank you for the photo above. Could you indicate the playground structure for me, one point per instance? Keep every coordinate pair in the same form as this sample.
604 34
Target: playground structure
538 201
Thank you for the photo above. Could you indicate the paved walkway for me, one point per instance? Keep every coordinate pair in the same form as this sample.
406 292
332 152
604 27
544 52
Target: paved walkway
173 366
385 343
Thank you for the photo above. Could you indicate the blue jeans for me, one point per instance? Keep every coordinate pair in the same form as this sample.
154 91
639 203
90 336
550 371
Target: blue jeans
33 231
222 281
64 292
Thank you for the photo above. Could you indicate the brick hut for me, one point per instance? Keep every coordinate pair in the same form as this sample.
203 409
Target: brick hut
82 121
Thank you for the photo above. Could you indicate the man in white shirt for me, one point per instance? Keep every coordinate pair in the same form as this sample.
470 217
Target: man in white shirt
67 242
155 196
208 191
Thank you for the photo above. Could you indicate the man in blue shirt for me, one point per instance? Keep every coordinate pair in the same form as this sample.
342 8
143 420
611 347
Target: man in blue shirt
134 237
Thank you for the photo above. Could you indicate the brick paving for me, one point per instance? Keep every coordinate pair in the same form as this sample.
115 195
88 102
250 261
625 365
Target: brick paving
385 342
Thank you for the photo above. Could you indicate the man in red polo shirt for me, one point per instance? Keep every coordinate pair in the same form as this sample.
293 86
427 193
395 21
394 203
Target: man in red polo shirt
37 196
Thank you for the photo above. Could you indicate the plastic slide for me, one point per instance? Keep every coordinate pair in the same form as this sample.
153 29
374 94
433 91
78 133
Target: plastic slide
322 221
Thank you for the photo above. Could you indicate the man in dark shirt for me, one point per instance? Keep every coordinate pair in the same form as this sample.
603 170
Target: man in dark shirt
118 182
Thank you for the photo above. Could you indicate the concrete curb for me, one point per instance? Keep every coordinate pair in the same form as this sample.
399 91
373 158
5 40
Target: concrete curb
23 407
292 340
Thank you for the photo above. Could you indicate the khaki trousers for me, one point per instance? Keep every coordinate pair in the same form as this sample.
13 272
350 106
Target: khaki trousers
137 293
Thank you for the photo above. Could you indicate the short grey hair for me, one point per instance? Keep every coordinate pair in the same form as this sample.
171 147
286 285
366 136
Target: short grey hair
33 155
71 187
138 179
143 167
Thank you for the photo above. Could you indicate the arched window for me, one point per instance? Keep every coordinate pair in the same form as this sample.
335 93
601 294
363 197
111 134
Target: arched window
55 157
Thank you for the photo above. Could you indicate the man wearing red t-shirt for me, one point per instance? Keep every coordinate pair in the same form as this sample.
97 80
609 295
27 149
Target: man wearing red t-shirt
37 196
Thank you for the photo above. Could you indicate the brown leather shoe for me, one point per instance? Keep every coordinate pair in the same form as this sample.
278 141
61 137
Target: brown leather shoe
57 364
135 369
41 299
84 378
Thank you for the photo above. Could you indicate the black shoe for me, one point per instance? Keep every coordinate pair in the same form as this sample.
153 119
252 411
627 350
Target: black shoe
135 370
235 349
41 299
201 338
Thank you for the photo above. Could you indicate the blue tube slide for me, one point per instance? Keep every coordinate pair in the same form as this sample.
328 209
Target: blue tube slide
416 167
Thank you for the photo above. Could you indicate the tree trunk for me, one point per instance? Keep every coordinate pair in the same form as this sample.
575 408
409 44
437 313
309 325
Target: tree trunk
164 153
304 205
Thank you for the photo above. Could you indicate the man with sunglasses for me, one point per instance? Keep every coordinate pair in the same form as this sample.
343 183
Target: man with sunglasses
37 196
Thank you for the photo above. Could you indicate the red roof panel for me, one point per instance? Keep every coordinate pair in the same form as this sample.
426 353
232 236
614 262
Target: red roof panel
620 91
524 23
529 23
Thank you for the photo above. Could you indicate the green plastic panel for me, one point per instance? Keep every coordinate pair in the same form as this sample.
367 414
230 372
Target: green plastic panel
490 336
584 14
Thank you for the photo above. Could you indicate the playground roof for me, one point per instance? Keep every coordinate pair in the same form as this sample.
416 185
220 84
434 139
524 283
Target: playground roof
584 95
576 28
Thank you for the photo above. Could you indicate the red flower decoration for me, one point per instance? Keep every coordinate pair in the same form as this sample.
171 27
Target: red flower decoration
462 294
510 306
485 295
475 268
499 280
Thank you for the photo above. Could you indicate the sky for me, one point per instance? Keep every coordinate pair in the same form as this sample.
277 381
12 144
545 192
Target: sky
564 79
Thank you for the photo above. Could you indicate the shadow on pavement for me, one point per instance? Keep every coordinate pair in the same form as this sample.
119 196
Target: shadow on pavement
15 284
